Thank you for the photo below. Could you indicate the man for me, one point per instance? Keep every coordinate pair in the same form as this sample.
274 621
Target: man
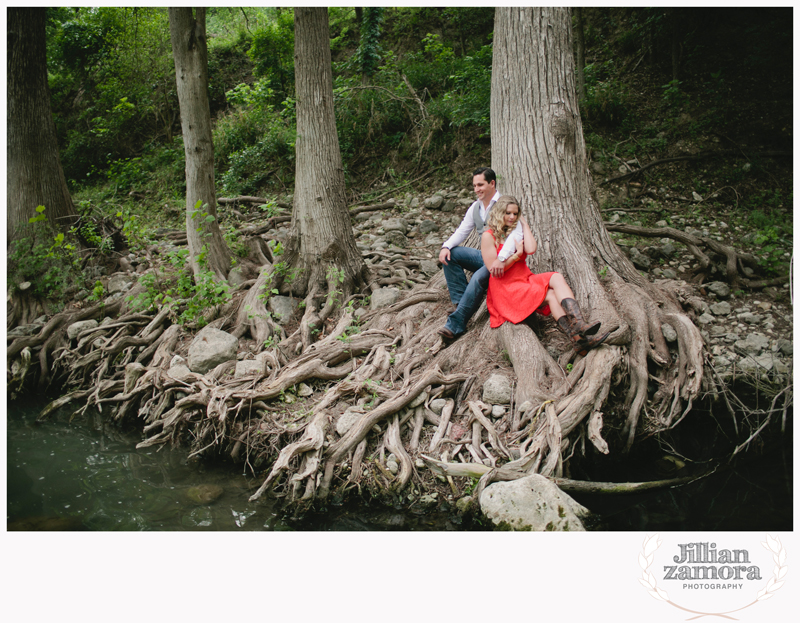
467 297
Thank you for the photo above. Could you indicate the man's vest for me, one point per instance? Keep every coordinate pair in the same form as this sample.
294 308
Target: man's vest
480 224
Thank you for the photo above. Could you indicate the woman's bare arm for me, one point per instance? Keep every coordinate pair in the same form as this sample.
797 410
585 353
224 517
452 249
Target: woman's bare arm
529 242
488 250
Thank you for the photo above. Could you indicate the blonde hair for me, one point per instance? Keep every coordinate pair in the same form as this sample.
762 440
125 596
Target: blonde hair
496 219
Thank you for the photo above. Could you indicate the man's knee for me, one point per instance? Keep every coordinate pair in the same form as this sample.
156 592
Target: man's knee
481 277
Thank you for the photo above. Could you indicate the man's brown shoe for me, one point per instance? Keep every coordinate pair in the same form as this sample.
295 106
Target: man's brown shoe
446 333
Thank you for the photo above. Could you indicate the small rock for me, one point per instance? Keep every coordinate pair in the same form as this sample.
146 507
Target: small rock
210 348
282 308
304 391
721 308
437 405
427 226
429 267
76 328
434 202
761 363
706 318
786 347
119 283
753 344
749 318
669 274
721 289
497 390
348 419
498 411
669 333
384 297
204 494
249 367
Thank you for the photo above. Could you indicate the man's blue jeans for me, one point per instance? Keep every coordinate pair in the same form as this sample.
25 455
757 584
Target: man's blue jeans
467 296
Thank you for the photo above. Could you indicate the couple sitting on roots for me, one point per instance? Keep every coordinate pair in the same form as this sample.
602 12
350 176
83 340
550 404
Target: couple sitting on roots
514 292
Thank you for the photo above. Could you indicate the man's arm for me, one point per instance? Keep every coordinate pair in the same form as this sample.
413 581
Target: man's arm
461 233
510 245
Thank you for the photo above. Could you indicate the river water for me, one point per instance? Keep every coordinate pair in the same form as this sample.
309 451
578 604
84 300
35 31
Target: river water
87 475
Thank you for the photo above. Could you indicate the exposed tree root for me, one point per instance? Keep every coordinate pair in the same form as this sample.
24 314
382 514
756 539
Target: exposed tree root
734 262
382 372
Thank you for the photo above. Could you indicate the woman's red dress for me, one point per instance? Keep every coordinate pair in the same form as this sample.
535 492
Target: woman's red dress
517 294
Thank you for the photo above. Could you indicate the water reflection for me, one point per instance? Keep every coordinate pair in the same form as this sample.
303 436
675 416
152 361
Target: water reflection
78 476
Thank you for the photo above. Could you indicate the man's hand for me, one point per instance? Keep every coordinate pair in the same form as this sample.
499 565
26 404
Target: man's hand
444 255
497 268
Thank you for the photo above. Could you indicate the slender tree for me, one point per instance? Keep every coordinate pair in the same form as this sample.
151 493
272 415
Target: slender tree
34 174
539 154
322 255
207 247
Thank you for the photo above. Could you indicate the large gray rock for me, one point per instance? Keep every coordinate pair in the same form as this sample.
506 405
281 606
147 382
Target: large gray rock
210 348
497 390
76 328
282 308
532 503
384 297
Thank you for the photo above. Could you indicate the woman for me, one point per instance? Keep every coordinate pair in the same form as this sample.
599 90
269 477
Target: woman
518 293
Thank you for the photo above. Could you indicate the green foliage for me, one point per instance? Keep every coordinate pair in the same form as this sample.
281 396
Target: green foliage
772 231
368 55
673 95
98 292
190 297
49 262
607 98
272 53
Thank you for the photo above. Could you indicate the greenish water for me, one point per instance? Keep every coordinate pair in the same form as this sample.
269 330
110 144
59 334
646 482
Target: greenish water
89 476
83 475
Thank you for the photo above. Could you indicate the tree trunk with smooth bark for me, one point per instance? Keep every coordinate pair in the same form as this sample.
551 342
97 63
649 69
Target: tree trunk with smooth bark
34 175
207 248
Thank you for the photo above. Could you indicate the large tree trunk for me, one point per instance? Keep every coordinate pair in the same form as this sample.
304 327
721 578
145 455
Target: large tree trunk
34 176
539 153
188 34
322 253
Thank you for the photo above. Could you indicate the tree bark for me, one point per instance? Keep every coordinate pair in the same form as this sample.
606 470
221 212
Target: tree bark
539 155
322 248
207 248
34 175
580 49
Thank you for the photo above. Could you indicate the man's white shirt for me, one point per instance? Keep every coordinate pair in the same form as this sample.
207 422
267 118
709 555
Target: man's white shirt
468 224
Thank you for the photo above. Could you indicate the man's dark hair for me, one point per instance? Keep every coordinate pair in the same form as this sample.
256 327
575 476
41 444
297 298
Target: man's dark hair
488 174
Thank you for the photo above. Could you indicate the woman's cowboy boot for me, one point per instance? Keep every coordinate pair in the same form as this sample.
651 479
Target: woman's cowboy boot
575 318
580 344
